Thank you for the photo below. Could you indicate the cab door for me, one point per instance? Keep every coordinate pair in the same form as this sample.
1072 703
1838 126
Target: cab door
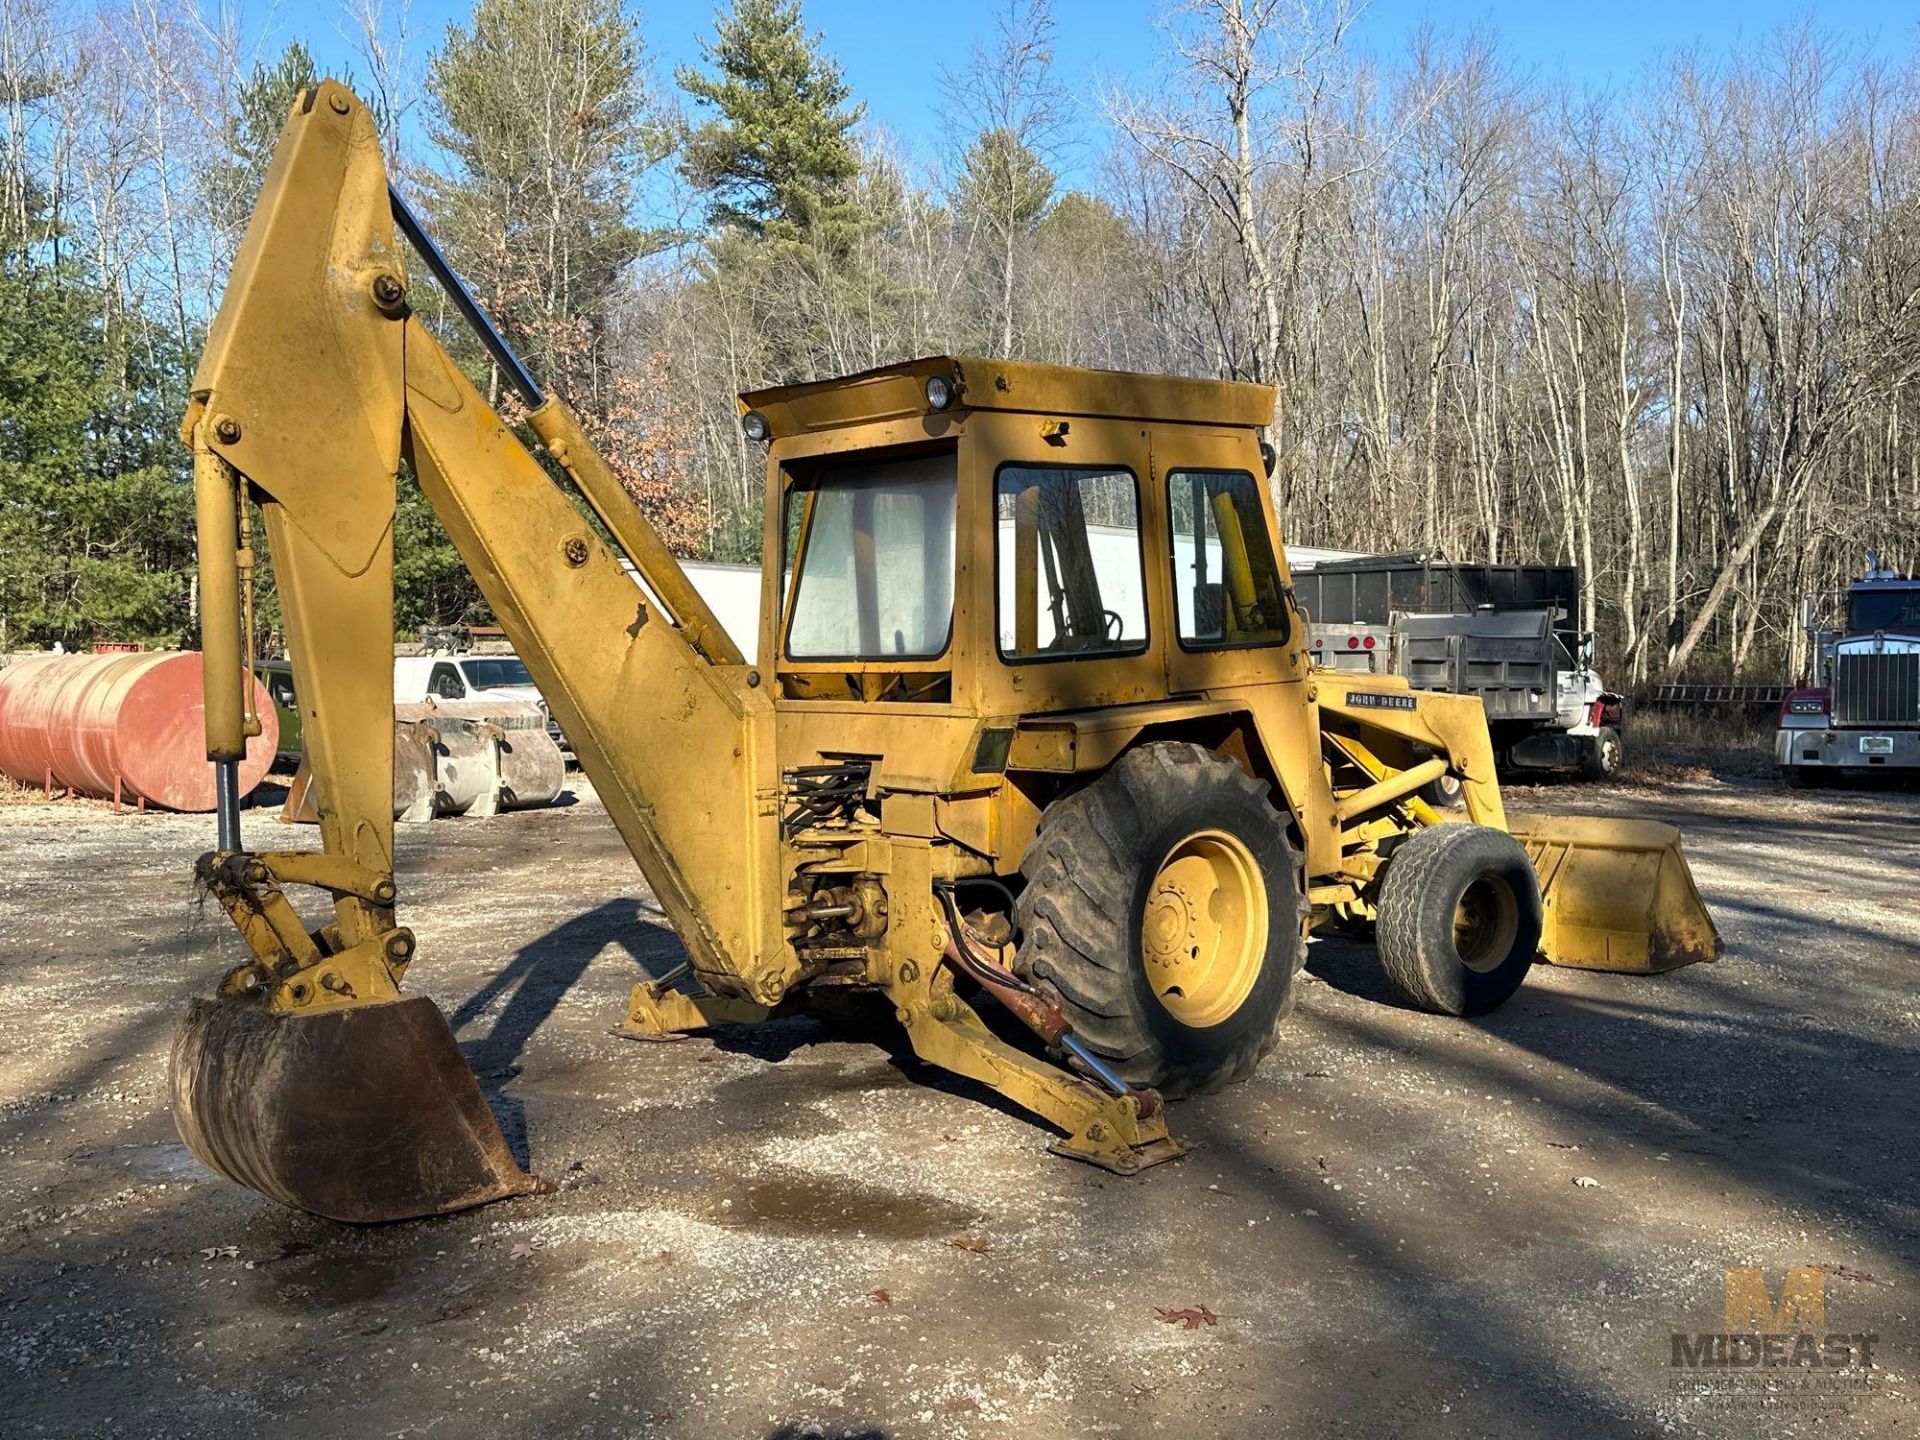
1070 564
1228 592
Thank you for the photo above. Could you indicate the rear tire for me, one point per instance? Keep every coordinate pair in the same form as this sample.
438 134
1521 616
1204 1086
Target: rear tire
1162 910
1446 792
1460 917
1605 756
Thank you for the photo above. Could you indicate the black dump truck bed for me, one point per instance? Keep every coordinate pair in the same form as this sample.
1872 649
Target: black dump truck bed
1369 591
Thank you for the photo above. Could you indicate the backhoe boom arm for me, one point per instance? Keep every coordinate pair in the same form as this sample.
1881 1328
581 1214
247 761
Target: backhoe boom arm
316 385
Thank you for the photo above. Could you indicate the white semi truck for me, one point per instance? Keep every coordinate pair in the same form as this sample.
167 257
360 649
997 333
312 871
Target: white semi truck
1861 713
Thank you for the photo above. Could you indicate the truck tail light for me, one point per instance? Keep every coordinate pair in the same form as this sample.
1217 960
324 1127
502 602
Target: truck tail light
1353 642
1367 641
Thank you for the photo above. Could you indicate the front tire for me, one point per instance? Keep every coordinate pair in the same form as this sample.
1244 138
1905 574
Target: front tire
1162 911
1605 756
1460 917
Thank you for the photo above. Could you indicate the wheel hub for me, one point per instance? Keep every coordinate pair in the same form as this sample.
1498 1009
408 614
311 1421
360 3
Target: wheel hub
1485 921
1203 932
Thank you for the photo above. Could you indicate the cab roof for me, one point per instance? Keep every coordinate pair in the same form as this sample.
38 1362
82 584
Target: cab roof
896 391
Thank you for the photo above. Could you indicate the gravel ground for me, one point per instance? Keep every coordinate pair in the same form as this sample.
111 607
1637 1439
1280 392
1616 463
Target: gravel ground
1402 1225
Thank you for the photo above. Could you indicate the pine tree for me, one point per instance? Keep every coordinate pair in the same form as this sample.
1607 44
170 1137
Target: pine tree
96 527
1003 191
261 106
777 157
541 109
1009 89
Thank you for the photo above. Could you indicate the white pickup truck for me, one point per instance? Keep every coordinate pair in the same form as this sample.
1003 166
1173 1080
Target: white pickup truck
470 677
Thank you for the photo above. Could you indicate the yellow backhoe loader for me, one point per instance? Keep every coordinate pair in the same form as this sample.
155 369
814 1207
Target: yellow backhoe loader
1032 728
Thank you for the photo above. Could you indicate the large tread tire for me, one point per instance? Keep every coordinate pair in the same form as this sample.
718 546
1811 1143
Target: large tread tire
1421 890
1090 873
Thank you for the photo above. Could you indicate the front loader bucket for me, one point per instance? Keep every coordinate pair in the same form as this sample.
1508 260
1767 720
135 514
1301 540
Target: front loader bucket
1618 894
363 1114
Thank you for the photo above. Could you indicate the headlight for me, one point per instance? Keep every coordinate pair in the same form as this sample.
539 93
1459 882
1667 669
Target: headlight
940 392
756 427
1806 707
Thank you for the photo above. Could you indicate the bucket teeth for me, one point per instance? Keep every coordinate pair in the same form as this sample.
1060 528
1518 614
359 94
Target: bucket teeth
363 1114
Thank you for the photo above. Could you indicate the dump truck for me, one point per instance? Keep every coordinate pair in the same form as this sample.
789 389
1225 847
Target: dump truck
1861 714
1501 632
970 774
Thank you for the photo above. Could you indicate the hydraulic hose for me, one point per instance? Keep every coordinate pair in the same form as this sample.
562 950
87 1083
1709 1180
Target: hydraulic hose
1036 1011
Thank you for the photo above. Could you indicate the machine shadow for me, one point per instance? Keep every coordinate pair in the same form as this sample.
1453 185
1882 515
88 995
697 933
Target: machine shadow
535 981
1769 1101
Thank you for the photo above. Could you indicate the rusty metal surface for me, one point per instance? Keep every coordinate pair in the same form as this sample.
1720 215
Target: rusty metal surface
125 724
362 1114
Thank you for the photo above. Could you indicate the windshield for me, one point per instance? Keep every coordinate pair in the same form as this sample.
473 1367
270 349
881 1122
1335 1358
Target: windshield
491 674
874 543
1884 609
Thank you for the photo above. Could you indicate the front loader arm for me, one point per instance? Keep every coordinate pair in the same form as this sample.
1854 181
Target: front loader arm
315 385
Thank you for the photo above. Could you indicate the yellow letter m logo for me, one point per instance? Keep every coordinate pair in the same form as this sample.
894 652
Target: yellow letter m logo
1803 1300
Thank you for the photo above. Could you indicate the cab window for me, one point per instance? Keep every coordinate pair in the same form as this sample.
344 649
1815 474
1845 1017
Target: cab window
1228 589
873 560
496 673
1069 570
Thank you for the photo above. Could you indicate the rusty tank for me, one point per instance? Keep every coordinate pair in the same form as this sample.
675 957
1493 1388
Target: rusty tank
126 727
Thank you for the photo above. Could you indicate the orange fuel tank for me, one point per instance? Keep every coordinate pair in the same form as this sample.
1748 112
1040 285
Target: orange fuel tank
129 725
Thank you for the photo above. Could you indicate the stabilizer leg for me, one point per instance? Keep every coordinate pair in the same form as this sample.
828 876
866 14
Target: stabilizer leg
655 1011
1122 1133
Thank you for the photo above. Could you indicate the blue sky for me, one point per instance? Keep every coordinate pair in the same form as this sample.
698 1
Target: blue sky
892 52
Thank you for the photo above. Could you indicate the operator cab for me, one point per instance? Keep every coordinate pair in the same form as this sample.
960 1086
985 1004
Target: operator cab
975 532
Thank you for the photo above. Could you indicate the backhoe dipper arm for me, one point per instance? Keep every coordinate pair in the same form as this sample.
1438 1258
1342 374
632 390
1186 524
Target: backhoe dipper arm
315 384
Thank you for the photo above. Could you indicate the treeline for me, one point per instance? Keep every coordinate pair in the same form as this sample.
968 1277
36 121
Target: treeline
1669 331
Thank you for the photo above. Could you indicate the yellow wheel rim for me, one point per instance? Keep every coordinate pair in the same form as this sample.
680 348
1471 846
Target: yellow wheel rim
1203 935
1485 924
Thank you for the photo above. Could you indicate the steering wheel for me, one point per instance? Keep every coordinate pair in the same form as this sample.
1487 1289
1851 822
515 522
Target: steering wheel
1112 624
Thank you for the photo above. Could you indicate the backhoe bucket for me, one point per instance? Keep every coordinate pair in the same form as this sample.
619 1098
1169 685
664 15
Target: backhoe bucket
1618 894
363 1114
